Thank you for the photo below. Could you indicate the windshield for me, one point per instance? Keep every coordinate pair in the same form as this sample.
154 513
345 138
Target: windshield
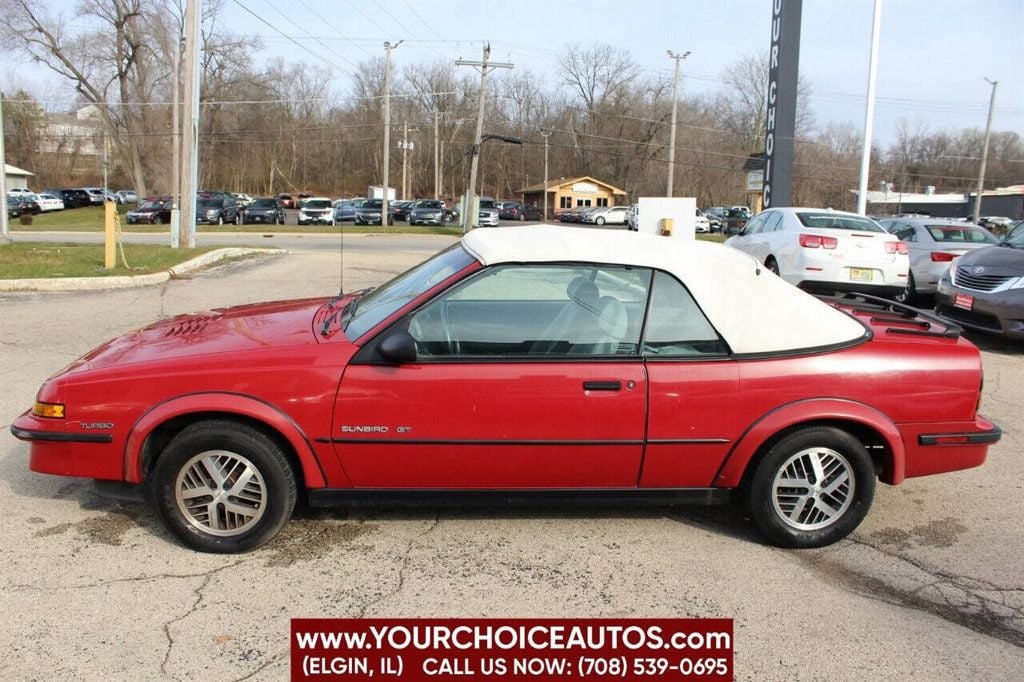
428 204
836 221
383 301
1015 240
264 203
151 205
487 203
372 203
318 203
960 233
210 203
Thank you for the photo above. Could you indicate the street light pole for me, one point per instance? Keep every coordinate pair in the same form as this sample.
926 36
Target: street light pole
869 112
672 130
474 162
545 134
984 150
387 129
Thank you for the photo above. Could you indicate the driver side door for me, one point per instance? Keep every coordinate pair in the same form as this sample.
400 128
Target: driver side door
526 376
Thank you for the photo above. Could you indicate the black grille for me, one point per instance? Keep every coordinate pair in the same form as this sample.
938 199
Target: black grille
968 280
969 317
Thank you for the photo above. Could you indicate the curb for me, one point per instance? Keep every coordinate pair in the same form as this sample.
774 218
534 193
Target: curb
130 281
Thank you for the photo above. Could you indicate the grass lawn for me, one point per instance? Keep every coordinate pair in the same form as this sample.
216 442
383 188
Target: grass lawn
23 260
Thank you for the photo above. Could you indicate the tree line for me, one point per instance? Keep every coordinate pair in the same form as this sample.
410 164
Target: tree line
280 126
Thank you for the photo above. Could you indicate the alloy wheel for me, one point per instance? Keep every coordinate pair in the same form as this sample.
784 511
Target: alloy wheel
221 493
813 488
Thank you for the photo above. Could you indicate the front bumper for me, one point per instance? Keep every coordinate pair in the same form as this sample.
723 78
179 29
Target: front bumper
268 218
145 219
487 220
56 448
996 313
426 220
325 219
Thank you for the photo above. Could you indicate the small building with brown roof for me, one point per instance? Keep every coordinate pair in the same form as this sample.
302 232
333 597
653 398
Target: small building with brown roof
564 193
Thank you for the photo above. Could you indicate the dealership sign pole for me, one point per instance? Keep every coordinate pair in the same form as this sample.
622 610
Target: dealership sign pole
780 120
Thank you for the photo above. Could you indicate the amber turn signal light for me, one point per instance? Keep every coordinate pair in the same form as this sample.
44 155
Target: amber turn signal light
49 410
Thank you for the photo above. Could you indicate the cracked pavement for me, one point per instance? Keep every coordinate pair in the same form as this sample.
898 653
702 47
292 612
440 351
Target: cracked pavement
931 585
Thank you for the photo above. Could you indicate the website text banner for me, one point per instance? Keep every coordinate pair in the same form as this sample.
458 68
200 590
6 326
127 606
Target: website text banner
512 649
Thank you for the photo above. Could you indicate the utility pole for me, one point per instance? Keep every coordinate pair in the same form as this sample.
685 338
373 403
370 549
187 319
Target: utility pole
4 232
474 163
437 176
545 134
984 150
190 126
387 129
405 146
175 146
869 112
672 130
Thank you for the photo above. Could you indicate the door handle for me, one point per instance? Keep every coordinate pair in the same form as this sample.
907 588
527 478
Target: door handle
602 385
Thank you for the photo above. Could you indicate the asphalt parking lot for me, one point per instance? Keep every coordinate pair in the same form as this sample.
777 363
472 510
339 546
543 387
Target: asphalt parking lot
930 587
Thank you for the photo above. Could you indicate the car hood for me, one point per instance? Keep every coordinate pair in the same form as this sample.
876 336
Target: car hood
997 260
223 330
146 210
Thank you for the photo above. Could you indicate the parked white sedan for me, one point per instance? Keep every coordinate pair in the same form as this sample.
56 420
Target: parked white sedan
824 250
612 215
48 202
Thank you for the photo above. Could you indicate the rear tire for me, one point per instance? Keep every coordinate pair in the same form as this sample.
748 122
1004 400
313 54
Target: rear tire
908 295
600 220
223 487
772 265
812 488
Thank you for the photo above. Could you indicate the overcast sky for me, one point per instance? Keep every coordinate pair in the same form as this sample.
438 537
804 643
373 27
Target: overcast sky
933 56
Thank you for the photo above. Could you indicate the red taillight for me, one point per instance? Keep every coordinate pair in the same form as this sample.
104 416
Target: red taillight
897 247
952 440
942 257
813 241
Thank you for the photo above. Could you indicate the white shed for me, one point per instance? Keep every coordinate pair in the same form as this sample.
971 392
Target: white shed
15 178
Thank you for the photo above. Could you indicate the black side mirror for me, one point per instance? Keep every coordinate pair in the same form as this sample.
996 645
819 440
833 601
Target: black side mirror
398 346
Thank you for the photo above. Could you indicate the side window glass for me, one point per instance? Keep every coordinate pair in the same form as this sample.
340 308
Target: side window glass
754 226
536 311
676 327
773 223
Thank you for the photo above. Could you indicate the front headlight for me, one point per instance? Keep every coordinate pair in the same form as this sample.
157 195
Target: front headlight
212 213
1019 284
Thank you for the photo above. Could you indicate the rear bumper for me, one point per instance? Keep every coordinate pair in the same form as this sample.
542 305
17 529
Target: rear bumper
936 448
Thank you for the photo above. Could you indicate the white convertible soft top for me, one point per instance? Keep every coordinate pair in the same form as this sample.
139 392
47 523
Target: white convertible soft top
755 311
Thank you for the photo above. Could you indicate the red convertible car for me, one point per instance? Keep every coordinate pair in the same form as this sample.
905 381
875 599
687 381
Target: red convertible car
524 363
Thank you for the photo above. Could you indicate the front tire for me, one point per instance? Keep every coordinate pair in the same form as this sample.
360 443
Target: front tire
223 487
772 265
812 488
600 220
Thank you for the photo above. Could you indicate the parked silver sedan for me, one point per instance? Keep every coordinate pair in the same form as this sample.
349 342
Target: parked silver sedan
934 244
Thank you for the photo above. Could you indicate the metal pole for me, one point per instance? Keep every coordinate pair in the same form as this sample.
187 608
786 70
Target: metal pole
190 138
672 130
387 129
869 112
984 151
546 134
437 176
405 160
175 146
4 231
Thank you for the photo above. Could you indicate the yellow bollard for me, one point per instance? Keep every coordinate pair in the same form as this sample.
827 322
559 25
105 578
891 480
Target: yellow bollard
110 239
666 227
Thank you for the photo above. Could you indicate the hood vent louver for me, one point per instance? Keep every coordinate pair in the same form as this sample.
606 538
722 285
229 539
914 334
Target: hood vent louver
190 326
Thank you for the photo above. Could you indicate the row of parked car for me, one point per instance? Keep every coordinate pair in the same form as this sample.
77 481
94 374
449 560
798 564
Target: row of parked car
977 279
